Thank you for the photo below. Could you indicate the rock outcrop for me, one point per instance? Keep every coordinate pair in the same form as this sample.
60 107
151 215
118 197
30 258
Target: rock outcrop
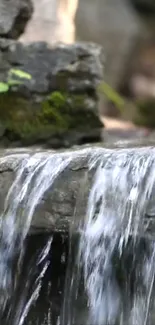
14 15
59 104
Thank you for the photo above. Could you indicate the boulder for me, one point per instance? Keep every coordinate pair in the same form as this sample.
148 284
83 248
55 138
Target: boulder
59 104
14 15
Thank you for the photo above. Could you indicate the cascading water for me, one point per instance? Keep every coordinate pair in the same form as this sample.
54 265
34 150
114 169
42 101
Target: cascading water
115 229
36 174
116 252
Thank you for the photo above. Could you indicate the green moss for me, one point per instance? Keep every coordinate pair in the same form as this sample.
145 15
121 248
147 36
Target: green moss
52 110
58 113
58 99
28 120
69 111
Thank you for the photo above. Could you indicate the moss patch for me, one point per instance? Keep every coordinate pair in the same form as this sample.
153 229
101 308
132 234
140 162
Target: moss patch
56 114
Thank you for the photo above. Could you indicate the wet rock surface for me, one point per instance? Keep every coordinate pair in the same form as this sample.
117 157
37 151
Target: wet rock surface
59 105
57 207
66 201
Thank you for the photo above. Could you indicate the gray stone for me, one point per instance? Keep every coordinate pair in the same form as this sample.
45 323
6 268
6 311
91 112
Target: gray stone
80 62
71 74
14 15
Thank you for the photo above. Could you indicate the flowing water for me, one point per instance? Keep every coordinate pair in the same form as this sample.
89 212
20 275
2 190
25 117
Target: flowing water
120 199
111 269
35 175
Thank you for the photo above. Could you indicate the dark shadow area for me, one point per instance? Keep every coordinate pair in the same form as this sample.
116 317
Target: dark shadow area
39 293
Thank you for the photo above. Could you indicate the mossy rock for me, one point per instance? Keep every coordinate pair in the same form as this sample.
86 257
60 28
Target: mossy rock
55 114
145 115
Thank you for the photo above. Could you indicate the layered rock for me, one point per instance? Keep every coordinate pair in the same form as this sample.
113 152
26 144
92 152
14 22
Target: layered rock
14 15
59 104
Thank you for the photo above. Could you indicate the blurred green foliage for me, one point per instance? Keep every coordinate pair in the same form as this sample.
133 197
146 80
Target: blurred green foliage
111 95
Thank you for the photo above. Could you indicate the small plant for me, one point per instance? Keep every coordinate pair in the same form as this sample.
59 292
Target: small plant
15 77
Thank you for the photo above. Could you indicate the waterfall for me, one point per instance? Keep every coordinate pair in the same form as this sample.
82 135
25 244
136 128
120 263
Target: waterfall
35 176
111 264
114 233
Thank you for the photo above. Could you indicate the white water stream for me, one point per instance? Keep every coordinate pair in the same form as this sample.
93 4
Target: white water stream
122 195
118 214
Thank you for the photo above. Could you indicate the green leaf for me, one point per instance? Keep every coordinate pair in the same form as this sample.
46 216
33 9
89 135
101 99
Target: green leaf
20 74
111 95
3 87
13 82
